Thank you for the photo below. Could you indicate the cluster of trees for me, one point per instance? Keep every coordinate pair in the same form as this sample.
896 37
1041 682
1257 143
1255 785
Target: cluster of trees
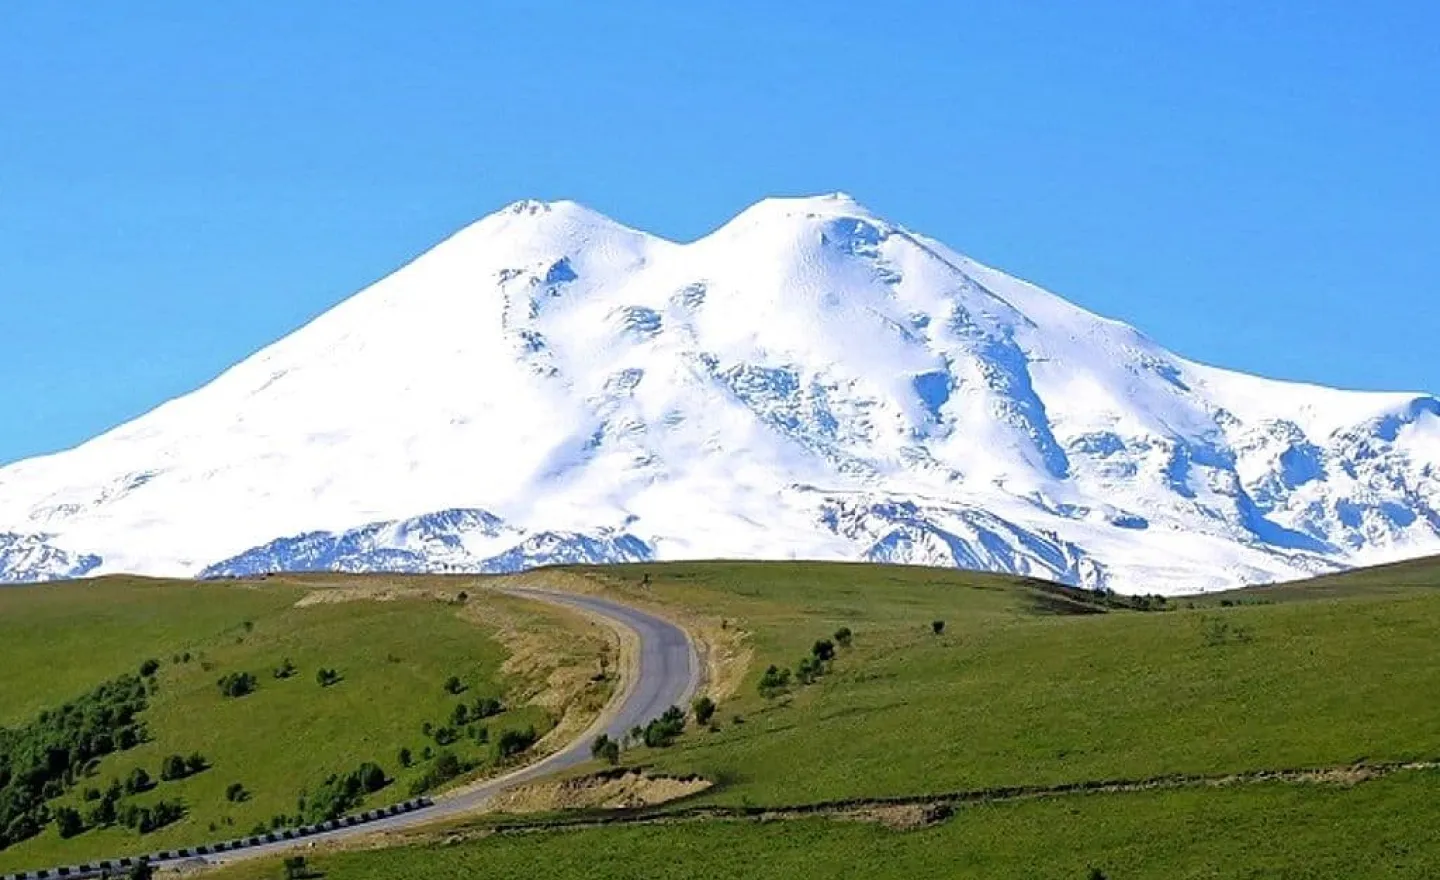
817 663
341 793
151 818
463 721
605 748
662 731
445 768
108 811
484 707
236 684
178 767
47 757
513 742
776 680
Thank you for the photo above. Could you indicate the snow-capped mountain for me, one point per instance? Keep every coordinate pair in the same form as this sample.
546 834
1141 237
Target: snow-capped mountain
809 381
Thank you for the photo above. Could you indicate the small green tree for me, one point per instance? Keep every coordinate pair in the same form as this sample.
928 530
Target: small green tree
513 742
453 685
235 793
68 822
662 731
103 814
172 768
149 668
406 759
808 669
937 626
142 870
296 868
285 669
606 749
774 681
138 781
704 709
237 684
843 637
823 650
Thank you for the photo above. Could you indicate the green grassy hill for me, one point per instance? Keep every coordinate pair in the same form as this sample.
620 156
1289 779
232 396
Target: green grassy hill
392 651
1202 714
1042 732
1012 693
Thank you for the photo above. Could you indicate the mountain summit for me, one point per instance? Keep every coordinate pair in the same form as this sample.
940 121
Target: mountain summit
808 381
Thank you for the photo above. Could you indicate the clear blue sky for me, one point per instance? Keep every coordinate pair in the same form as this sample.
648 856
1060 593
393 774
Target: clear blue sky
181 183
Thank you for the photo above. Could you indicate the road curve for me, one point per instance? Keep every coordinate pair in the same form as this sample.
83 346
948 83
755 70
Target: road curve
668 675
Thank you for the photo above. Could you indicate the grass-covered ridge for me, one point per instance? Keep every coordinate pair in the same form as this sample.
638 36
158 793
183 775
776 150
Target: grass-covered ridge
1383 829
399 673
1012 694
917 684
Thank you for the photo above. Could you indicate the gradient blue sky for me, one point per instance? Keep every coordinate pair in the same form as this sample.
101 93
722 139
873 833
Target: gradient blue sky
1255 185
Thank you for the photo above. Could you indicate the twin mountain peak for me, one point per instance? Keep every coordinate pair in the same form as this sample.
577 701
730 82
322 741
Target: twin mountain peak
808 381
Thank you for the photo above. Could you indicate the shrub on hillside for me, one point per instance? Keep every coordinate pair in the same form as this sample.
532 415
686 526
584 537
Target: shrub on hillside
177 767
513 742
662 731
809 669
138 781
606 749
486 707
704 710
445 768
236 684
339 794
68 822
774 682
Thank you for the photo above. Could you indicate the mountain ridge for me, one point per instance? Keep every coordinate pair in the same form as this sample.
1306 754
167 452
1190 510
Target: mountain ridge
807 381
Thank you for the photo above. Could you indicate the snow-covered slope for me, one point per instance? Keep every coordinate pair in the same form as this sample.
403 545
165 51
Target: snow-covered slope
809 381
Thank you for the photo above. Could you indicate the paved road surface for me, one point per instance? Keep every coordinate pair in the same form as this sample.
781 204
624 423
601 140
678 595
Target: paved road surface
669 675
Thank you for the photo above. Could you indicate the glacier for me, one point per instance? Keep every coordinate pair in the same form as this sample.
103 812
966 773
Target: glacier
809 381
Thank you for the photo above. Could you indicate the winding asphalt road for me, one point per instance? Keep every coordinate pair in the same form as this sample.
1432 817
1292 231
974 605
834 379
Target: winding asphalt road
668 675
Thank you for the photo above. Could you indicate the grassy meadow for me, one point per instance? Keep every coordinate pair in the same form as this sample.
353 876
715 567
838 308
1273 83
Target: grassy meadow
1014 693
1025 685
393 659
1382 829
